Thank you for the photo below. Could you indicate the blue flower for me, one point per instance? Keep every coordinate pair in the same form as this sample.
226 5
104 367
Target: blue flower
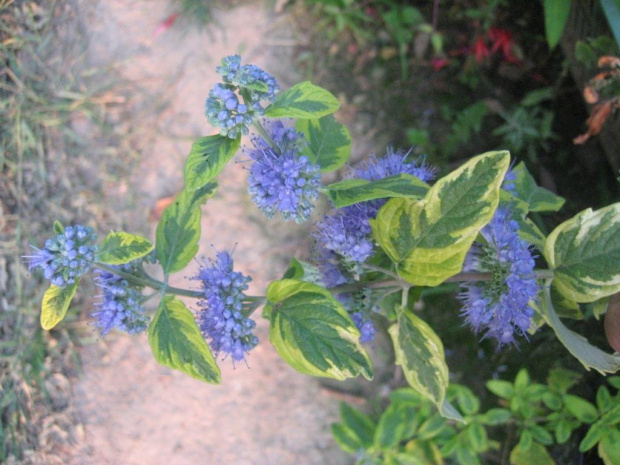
221 319
120 306
233 105
509 182
66 256
280 179
364 324
501 307
347 231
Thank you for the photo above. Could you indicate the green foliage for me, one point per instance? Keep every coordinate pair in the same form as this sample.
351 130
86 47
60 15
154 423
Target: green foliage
428 239
176 342
121 247
584 252
56 301
527 127
207 158
419 352
612 12
303 100
329 142
410 430
537 198
351 191
313 333
178 230
556 15
341 17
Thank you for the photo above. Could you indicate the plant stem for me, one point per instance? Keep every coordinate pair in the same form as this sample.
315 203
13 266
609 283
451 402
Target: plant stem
147 281
265 135
399 283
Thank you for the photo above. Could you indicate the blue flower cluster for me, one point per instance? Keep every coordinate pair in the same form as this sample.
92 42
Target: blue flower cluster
120 306
347 232
280 179
66 256
221 319
501 307
233 105
364 324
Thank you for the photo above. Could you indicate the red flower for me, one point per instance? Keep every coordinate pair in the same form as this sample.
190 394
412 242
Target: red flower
502 40
439 63
481 50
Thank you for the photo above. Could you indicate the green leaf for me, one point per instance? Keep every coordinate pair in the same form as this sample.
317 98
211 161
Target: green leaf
612 13
392 426
589 355
55 304
496 416
207 158
477 436
561 380
562 431
594 435
541 435
580 408
121 247
467 400
58 228
609 447
584 253
303 100
419 351
176 342
535 454
538 198
313 332
303 271
178 230
360 424
329 142
556 15
345 438
351 191
450 412
501 388
428 239
431 427
530 233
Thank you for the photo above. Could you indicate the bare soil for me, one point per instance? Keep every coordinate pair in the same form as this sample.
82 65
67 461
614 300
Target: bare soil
135 411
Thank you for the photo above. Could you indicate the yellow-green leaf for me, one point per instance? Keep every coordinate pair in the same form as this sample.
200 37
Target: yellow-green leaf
55 304
584 253
419 351
428 239
176 342
121 247
313 332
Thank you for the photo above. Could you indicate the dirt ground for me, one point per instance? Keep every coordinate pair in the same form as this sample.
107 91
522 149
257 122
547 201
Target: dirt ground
135 411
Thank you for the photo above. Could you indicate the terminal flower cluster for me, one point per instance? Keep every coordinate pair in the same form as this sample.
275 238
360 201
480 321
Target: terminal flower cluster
233 104
65 257
221 319
280 178
501 307
120 306
346 232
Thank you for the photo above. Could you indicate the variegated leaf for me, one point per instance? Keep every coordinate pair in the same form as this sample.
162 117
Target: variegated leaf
56 301
419 351
329 142
352 191
428 239
121 247
589 355
313 333
584 253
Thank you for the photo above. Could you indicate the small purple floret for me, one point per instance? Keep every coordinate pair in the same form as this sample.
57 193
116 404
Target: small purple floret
221 318
501 307
65 257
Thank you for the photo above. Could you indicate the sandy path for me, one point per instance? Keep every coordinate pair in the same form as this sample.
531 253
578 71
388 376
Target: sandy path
134 410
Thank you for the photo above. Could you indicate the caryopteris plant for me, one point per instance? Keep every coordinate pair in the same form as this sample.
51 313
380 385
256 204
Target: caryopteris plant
395 226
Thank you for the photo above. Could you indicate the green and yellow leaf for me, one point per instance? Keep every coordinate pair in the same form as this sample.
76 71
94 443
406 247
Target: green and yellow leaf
56 301
428 239
313 333
584 253
176 342
121 247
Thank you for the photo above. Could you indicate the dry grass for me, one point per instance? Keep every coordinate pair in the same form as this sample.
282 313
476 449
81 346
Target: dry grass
55 123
